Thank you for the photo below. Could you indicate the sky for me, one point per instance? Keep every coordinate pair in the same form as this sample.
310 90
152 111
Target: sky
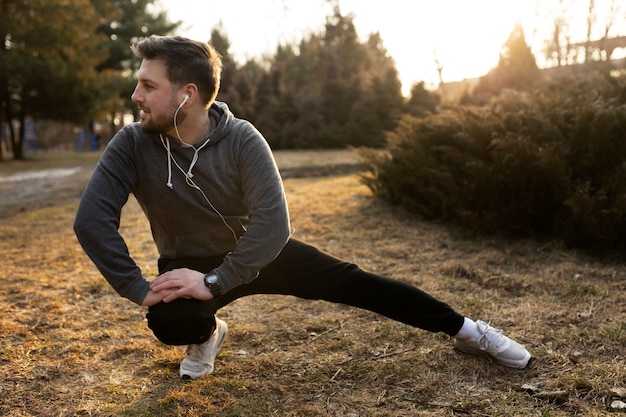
465 36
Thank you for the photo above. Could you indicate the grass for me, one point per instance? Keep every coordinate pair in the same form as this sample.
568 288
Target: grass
71 347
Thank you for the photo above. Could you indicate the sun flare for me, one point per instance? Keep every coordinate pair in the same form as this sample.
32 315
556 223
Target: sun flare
447 40
462 38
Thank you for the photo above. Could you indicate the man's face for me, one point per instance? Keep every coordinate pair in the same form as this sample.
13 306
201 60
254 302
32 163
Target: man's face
156 98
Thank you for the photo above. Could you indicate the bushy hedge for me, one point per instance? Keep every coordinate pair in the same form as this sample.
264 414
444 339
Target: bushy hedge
551 162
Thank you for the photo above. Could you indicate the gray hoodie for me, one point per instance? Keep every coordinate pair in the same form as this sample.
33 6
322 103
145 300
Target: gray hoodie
230 203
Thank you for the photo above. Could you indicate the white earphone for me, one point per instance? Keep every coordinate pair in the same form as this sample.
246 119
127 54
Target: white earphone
184 101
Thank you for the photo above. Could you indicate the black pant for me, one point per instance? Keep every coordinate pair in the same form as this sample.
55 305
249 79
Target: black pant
303 271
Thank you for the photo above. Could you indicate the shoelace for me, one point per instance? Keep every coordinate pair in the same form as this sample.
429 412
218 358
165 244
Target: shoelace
490 337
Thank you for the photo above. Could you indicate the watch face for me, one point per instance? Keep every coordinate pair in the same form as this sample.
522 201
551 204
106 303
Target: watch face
210 280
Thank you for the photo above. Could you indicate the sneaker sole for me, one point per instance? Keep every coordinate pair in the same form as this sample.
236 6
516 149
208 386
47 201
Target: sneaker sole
477 352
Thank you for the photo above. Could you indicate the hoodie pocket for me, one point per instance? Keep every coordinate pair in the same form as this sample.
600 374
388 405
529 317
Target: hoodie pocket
216 242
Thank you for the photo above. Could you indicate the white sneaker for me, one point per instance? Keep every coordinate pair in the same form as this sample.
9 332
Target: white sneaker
199 359
496 346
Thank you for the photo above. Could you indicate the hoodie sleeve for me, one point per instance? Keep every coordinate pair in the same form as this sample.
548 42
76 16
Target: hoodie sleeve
98 218
264 195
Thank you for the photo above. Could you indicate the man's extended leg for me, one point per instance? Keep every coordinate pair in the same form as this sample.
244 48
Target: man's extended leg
305 271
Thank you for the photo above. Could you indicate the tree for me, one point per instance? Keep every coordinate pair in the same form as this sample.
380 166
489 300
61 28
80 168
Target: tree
70 60
421 101
517 68
48 65
124 23
330 91
236 84
557 47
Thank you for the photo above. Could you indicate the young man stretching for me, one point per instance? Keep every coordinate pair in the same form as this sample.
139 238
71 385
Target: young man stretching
210 188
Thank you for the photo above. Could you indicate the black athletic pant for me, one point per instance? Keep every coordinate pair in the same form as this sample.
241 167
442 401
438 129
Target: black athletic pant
303 271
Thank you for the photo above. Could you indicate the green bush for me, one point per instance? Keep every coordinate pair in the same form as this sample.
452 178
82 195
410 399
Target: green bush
551 162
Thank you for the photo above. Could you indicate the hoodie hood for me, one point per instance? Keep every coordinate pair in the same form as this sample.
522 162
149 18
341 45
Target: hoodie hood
221 121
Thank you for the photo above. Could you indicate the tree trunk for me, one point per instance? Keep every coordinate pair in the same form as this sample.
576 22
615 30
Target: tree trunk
9 121
2 150
18 148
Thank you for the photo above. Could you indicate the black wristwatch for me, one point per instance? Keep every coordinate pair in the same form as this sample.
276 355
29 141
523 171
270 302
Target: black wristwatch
212 281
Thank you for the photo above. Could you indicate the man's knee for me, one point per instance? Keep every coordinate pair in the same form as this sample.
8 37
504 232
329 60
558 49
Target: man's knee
182 321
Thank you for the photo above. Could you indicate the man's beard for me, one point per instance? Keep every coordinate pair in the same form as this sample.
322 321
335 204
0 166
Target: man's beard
161 124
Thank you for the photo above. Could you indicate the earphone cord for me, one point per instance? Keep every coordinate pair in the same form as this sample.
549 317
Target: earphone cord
166 144
194 159
176 126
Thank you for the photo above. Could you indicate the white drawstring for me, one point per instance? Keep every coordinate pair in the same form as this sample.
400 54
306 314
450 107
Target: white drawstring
188 175
166 144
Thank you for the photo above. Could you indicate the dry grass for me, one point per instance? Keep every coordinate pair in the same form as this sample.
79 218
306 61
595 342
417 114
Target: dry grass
70 346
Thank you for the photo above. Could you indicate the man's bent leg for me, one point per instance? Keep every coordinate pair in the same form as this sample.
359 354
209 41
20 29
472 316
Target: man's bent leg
189 322
183 321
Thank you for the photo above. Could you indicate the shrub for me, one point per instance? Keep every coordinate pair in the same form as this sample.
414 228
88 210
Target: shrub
551 162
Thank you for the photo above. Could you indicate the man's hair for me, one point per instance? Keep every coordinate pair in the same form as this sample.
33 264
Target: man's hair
186 61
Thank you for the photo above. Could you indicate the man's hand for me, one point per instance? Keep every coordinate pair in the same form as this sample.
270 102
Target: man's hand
179 283
153 298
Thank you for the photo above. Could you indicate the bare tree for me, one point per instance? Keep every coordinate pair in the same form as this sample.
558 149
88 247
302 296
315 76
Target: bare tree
608 25
439 66
557 46
590 22
601 40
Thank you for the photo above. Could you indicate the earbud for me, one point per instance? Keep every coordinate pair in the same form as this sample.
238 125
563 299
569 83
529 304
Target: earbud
184 100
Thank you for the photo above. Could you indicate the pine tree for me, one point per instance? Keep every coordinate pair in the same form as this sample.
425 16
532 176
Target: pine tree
517 68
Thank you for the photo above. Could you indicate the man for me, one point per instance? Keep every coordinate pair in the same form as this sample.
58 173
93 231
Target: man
210 188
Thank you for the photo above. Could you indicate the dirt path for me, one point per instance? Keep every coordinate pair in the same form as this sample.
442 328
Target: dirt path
31 190
25 190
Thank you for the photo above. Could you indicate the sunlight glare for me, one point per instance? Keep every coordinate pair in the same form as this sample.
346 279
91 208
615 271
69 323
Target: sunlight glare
464 37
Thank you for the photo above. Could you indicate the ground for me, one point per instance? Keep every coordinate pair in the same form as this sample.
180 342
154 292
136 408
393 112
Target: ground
70 346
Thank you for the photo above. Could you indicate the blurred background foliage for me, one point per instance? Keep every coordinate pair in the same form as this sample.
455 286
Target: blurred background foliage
523 151
544 162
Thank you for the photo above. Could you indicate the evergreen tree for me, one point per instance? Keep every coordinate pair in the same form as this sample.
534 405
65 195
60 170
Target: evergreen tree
334 90
421 101
69 60
235 85
517 68
48 56
123 23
